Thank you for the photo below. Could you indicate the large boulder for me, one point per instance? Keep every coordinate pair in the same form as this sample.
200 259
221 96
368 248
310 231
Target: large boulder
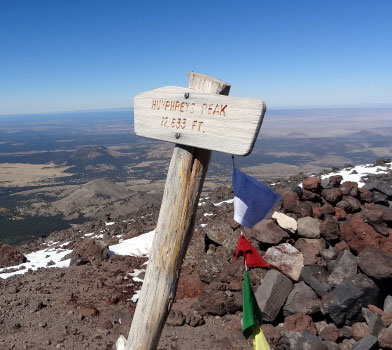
10 256
287 259
344 303
359 236
272 294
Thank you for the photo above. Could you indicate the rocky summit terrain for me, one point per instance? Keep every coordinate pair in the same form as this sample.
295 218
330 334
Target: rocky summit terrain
329 242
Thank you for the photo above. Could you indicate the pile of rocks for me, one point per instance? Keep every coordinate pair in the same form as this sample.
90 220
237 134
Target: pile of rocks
330 245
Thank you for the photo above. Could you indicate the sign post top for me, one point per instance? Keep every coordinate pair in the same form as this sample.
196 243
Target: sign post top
204 120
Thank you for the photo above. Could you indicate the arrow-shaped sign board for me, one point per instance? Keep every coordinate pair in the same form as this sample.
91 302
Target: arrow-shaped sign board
209 121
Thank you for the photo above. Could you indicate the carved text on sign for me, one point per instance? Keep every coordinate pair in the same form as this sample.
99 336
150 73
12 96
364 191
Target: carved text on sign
185 107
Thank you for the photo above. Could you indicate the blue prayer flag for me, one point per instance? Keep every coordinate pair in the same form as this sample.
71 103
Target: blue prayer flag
252 199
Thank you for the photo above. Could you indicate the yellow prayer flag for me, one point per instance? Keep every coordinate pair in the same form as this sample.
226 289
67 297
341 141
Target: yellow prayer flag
259 341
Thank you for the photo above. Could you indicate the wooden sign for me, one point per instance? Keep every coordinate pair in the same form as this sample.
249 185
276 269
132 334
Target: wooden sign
189 117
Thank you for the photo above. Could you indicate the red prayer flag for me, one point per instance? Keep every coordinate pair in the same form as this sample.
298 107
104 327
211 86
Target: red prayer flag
251 257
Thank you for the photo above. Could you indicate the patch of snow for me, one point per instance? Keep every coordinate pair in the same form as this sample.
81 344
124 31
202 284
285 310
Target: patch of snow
208 214
39 259
136 296
229 201
362 171
88 234
203 225
121 342
99 236
135 275
136 246
110 223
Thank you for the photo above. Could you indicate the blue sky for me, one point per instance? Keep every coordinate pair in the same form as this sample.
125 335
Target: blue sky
92 54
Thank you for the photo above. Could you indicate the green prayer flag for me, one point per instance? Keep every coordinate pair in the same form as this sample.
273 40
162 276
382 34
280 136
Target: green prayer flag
251 314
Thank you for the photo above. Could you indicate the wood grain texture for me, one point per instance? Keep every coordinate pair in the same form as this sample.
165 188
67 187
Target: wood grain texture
204 120
174 230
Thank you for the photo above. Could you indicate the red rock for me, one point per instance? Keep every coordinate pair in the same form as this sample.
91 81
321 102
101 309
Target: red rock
340 214
332 195
330 333
317 212
310 196
271 333
359 235
289 199
189 286
335 180
365 195
9 256
329 228
341 246
303 209
311 184
349 204
310 249
359 330
299 323
328 209
372 215
89 250
385 338
349 188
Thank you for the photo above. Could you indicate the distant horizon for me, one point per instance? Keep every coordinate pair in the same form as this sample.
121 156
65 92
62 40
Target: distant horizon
289 108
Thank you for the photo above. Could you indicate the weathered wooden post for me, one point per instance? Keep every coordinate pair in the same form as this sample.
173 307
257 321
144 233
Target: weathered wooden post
198 119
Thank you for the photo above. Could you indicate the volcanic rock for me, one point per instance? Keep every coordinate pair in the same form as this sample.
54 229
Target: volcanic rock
302 299
332 195
375 324
9 256
311 184
304 340
375 263
369 342
267 231
345 267
303 209
329 333
372 216
349 188
308 227
310 249
218 303
359 330
359 236
89 251
285 222
329 228
316 277
385 338
388 304
299 323
344 303
272 294
287 259
365 195
380 185
289 200
175 318
349 204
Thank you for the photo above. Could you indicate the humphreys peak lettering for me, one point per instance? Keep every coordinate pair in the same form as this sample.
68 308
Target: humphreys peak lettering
189 107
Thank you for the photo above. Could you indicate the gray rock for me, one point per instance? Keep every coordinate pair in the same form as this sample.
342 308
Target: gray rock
272 294
267 231
349 204
331 345
370 342
375 263
302 299
210 267
374 321
388 304
308 227
304 340
329 254
345 267
343 304
316 277
329 228
379 185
